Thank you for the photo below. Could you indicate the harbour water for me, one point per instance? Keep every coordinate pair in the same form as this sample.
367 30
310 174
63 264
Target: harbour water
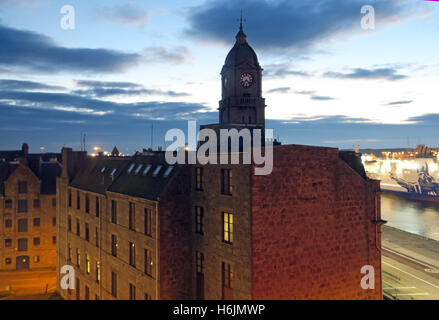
418 217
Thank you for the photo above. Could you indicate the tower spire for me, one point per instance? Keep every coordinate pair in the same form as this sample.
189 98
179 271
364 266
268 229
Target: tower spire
241 36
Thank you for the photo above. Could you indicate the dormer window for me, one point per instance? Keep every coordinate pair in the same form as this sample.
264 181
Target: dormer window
103 170
138 169
168 171
131 167
157 170
113 172
148 167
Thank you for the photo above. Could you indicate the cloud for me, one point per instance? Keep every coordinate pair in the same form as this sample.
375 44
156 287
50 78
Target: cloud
280 90
102 89
322 98
35 52
367 74
280 24
397 103
26 85
125 14
282 71
176 56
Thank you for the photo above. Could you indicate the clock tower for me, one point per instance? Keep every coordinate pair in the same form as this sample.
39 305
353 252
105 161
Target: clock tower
242 104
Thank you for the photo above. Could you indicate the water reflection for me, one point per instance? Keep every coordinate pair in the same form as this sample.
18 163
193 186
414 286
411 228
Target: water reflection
418 217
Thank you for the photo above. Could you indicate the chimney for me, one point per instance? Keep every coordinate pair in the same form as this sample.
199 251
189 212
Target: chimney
72 162
25 148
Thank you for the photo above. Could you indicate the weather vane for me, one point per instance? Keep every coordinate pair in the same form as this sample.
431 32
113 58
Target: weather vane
241 20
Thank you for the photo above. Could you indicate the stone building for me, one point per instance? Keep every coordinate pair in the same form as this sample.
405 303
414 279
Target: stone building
28 209
219 231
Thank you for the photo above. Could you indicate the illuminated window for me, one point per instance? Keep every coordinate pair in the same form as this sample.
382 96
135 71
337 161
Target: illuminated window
157 170
199 179
226 182
199 220
132 254
36 259
148 167
98 271
148 262
228 227
200 262
87 264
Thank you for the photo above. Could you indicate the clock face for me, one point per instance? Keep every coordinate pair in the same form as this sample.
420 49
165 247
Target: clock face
246 80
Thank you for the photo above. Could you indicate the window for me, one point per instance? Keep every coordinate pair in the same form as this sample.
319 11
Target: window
78 228
70 198
78 289
199 179
36 241
226 182
54 239
228 227
8 204
148 222
114 284
8 261
113 211
87 232
22 206
113 172
98 271
199 220
87 293
54 202
227 276
148 262
78 258
148 167
132 292
131 167
103 170
114 245
168 171
37 203
138 169
132 216
22 187
157 170
22 244
97 207
69 223
97 237
78 200
8 243
69 252
36 259
132 254
87 203
200 262
147 296
22 225
87 264
54 221
37 222
8 223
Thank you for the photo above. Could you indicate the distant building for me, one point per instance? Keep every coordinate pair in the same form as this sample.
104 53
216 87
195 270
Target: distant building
137 228
28 209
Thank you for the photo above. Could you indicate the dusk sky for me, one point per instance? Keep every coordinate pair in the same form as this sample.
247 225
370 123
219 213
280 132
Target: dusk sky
128 65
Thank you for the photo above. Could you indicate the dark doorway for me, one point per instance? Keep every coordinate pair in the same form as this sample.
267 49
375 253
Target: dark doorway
22 262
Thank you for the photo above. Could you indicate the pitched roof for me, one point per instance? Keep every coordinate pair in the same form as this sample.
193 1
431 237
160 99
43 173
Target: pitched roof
11 155
146 176
96 175
6 168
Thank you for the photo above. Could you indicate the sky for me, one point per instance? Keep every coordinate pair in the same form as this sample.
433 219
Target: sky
132 68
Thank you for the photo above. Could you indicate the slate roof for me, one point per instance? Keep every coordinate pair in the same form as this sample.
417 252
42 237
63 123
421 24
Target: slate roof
145 184
6 169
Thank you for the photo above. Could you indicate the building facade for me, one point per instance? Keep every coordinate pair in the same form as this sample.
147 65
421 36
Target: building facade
219 231
28 209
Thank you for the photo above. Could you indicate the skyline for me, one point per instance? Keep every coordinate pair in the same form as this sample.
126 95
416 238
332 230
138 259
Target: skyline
127 66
